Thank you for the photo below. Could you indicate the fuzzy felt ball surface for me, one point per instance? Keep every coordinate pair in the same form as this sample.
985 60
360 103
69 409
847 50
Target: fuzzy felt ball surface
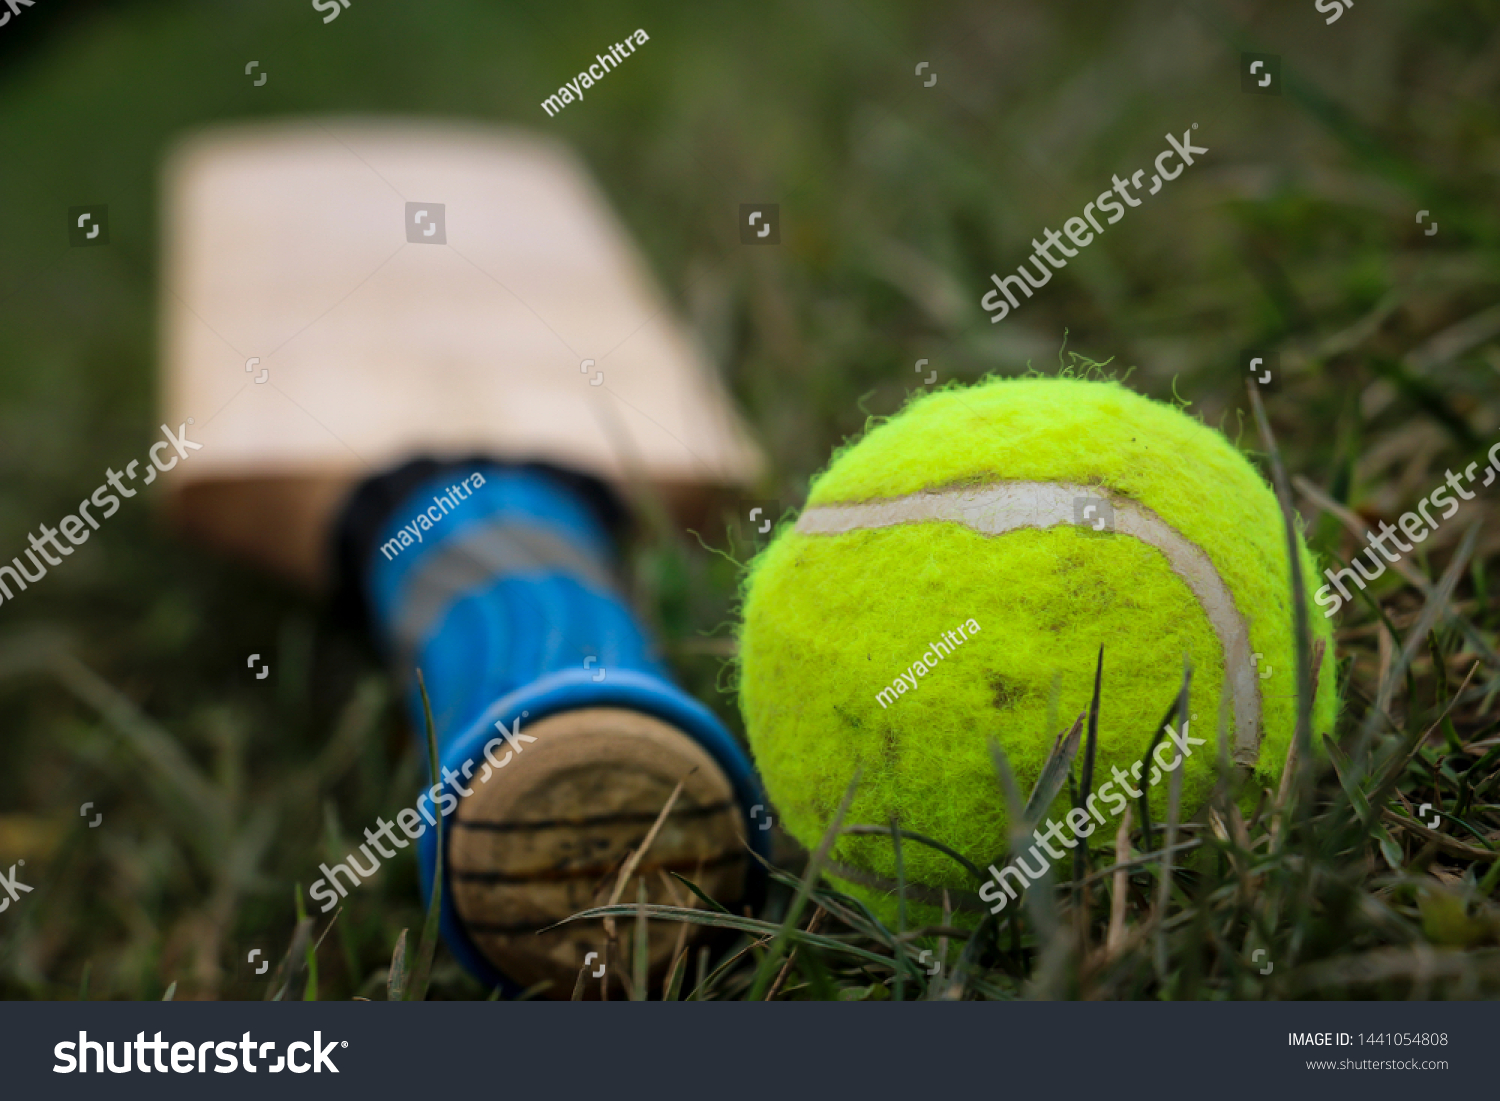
951 582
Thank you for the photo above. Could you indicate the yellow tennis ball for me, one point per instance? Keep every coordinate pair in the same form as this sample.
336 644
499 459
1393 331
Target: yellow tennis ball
951 581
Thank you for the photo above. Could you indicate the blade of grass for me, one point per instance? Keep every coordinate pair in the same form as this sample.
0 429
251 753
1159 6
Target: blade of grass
786 968
169 764
395 983
1039 903
1115 938
911 835
1174 805
310 991
851 911
1301 627
1086 781
1436 601
1055 772
313 955
673 991
1289 769
1341 770
290 967
705 984
1173 715
1143 859
633 861
645 847
416 991
942 948
1447 844
1022 822
767 969
1357 527
1491 877
640 951
672 984
899 987
1402 757
701 896
754 926
702 973
968 959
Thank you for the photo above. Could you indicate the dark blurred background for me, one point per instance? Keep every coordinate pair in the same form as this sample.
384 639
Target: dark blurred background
122 675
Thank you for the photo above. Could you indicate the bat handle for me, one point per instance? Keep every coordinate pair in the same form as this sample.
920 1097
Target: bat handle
498 582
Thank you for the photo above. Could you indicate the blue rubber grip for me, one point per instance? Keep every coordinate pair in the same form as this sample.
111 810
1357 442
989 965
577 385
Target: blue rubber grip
501 594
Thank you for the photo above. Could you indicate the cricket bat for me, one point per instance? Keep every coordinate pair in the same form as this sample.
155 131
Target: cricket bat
340 296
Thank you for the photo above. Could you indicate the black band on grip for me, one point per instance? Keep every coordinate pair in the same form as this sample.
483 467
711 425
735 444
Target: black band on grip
367 509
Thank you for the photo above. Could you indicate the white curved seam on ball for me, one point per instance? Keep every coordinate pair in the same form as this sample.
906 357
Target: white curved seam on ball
1012 506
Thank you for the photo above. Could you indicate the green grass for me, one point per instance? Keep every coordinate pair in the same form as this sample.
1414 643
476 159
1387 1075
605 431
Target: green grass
122 678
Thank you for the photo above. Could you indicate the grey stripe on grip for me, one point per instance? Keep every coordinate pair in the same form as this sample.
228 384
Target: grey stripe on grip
499 549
